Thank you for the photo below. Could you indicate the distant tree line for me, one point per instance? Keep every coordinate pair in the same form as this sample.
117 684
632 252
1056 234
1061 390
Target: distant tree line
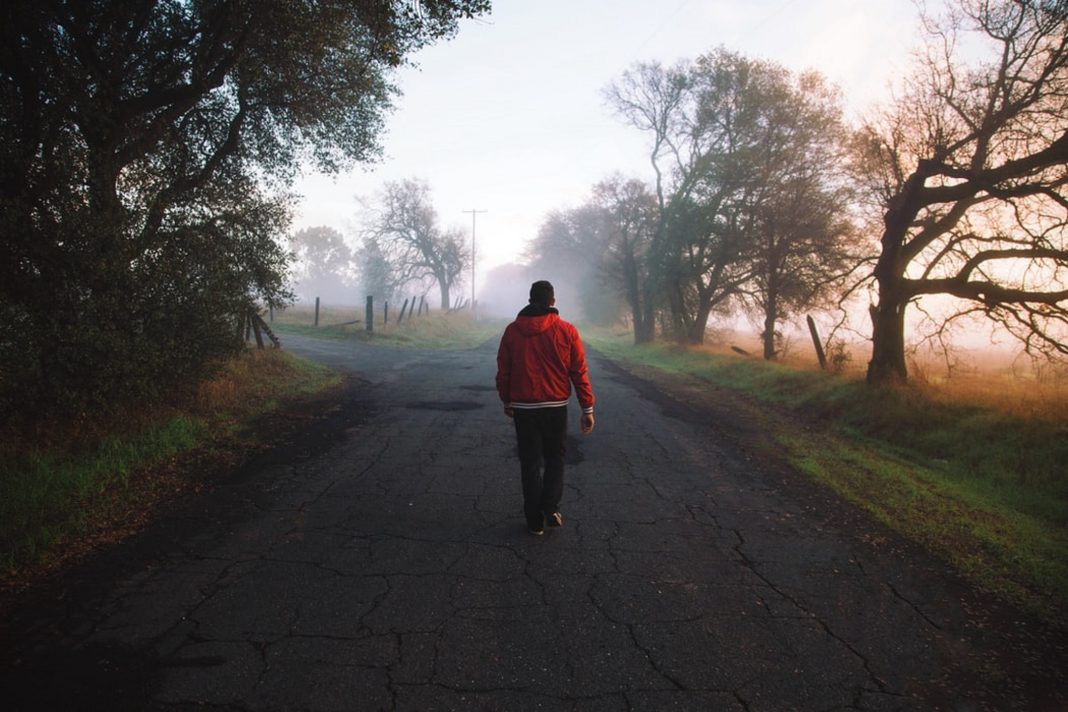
145 153
400 246
761 199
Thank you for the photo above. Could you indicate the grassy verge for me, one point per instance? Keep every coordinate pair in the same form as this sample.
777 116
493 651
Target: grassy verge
436 330
984 489
58 499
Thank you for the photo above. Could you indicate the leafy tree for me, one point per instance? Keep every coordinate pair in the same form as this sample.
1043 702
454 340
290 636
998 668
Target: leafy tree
967 172
563 250
745 157
801 223
405 227
629 222
375 272
705 120
323 264
144 152
660 101
570 251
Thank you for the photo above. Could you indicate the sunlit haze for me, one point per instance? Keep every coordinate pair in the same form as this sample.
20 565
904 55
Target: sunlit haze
508 117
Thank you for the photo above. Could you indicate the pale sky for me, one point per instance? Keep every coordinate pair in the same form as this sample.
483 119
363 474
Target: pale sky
508 117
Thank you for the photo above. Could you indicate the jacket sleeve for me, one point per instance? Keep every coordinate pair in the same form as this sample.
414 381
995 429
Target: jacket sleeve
579 373
504 370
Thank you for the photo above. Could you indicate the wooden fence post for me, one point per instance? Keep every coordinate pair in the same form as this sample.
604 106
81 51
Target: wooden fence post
403 309
267 330
816 342
422 301
317 311
253 319
370 312
385 313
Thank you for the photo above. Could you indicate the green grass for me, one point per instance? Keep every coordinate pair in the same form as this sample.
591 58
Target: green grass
55 496
50 494
984 489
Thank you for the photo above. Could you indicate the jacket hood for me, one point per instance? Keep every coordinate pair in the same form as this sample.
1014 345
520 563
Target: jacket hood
534 319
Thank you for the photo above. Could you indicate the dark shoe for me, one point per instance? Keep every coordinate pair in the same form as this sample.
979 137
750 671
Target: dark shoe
554 519
535 526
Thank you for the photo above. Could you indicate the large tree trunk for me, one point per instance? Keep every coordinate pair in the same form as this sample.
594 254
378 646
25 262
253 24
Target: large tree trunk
640 314
445 305
680 325
770 317
645 329
887 363
695 330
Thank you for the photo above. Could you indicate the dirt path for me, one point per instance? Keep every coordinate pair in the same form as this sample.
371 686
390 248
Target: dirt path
379 561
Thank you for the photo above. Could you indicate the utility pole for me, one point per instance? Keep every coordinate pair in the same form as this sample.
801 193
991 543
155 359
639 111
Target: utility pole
474 214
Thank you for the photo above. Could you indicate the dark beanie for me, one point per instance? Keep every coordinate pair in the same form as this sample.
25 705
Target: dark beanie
541 292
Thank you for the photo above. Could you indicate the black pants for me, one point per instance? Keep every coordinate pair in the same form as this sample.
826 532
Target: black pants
541 434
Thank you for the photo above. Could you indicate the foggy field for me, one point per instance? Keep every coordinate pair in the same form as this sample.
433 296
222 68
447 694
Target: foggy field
430 330
997 378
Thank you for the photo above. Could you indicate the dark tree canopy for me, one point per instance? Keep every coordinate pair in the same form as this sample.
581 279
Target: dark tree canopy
630 215
145 147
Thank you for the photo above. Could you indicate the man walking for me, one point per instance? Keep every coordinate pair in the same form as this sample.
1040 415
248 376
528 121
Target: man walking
539 359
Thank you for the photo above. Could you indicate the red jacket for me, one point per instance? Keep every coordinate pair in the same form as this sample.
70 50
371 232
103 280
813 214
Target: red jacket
539 359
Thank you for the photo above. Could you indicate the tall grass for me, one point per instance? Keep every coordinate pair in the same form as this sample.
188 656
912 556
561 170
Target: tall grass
58 491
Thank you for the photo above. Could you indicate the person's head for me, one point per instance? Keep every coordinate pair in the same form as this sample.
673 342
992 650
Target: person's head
542 294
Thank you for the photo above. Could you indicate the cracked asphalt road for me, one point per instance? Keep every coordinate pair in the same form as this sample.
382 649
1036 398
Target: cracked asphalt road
381 562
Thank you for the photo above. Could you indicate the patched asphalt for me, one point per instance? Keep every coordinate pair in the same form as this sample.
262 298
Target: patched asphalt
379 560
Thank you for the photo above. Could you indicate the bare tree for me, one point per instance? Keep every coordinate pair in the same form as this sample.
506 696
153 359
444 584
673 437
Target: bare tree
405 226
968 169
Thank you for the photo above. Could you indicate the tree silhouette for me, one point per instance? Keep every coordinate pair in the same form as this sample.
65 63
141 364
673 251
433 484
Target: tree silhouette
967 174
